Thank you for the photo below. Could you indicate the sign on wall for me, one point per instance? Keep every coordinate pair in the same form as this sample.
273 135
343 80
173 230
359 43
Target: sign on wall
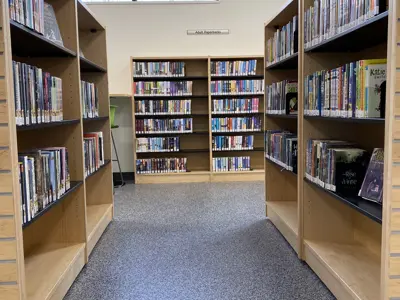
207 31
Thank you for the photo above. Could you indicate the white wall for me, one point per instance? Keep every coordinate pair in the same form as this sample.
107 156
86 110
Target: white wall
160 30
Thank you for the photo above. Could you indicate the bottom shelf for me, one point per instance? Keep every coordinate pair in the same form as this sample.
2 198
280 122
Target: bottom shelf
50 270
98 217
283 214
350 271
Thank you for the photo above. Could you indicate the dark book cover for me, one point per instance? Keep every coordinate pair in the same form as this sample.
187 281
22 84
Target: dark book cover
372 187
51 29
291 97
294 155
350 165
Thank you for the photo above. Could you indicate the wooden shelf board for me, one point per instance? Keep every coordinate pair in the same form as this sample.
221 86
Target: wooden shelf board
238 176
89 66
106 162
354 271
39 45
353 39
287 63
94 214
86 120
169 78
287 211
369 209
51 269
197 176
73 187
280 167
348 120
234 77
281 116
86 19
47 125
161 97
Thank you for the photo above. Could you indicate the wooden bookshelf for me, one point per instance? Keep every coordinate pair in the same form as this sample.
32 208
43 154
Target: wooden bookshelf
281 189
41 259
197 146
350 243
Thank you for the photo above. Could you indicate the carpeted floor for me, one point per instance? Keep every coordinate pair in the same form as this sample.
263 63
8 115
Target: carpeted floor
194 242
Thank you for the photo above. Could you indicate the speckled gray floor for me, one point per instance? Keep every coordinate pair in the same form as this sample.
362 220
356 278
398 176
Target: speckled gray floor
194 242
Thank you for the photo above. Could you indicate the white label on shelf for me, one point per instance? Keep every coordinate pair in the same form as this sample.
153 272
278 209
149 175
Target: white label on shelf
207 31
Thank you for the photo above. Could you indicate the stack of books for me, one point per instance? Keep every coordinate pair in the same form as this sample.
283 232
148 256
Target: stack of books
157 144
233 105
283 44
90 100
236 124
159 69
281 98
162 88
161 165
234 68
28 13
37 95
330 17
163 107
281 148
237 87
44 178
164 125
93 145
227 164
236 142
354 90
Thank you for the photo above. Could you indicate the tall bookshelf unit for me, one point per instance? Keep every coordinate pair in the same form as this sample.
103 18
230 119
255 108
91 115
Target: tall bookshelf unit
196 146
41 259
351 244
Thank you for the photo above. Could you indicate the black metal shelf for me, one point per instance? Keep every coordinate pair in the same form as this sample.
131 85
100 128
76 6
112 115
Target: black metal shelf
280 167
170 78
233 77
281 116
370 33
47 125
89 66
106 162
369 209
171 133
287 63
73 186
238 95
161 97
240 150
87 120
171 116
38 44
347 120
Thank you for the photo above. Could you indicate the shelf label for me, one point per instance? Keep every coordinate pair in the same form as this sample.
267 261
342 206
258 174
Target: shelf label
207 31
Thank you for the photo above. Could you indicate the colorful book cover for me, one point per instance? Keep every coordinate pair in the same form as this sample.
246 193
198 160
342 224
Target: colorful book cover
372 186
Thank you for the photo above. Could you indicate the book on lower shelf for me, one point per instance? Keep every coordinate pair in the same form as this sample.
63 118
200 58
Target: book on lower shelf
162 88
234 142
237 87
232 124
161 165
163 107
233 67
228 164
338 166
157 144
372 186
327 18
159 68
281 98
235 105
283 44
44 178
354 90
93 145
37 95
90 100
281 148
184 125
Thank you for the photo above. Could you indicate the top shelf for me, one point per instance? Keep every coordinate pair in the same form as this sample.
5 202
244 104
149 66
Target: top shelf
86 20
370 33
39 45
